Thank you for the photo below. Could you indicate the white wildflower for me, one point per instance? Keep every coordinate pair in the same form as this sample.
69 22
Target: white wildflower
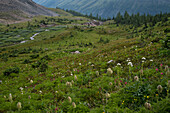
143 58
10 97
19 105
75 78
136 78
31 81
118 64
97 73
109 71
74 105
69 99
107 95
40 92
130 63
110 61
21 88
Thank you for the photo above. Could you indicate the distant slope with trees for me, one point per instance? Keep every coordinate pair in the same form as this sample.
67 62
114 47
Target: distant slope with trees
109 8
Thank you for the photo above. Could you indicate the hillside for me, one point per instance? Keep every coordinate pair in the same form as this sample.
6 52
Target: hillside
18 10
72 64
109 8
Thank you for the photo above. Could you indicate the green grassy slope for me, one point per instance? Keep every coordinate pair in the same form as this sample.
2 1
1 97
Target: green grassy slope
46 76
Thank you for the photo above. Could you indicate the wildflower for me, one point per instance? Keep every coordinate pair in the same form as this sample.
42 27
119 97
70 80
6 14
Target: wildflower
125 83
161 65
143 58
110 83
31 81
147 96
124 46
161 73
109 71
118 64
136 78
72 82
0 81
151 60
143 61
130 63
74 105
75 77
29 96
168 83
147 105
21 88
69 99
69 84
40 92
56 108
156 69
159 87
128 60
166 68
97 73
144 96
156 94
19 105
122 103
110 61
56 91
4 96
10 97
71 74
107 95
80 64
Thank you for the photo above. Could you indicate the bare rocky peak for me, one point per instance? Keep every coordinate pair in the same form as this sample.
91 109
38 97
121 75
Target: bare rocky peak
20 8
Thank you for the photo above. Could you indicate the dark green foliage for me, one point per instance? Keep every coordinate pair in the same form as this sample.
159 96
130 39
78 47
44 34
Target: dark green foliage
42 65
11 70
26 61
139 20
34 56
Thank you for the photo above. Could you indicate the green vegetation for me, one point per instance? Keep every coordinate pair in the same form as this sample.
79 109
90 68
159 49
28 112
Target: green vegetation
73 67
109 8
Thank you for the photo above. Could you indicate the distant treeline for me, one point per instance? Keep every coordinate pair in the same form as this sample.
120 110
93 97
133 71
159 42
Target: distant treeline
86 15
134 19
138 20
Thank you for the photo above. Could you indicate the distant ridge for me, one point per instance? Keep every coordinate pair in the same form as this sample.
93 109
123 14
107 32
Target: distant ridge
18 10
110 8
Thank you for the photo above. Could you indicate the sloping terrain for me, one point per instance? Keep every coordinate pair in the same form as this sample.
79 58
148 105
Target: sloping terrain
16 10
109 8
59 65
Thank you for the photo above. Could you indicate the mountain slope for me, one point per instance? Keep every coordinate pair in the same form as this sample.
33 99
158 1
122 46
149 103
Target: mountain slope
21 9
110 8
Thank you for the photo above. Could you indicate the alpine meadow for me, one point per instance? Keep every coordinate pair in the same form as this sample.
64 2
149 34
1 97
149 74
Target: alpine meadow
74 59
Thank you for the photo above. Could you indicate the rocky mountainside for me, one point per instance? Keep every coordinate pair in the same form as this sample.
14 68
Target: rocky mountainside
109 8
16 10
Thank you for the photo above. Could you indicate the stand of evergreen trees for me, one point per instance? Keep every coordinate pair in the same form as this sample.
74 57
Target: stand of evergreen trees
138 20
134 19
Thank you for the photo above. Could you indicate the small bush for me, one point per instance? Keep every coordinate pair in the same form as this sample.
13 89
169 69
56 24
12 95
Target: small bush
7 72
